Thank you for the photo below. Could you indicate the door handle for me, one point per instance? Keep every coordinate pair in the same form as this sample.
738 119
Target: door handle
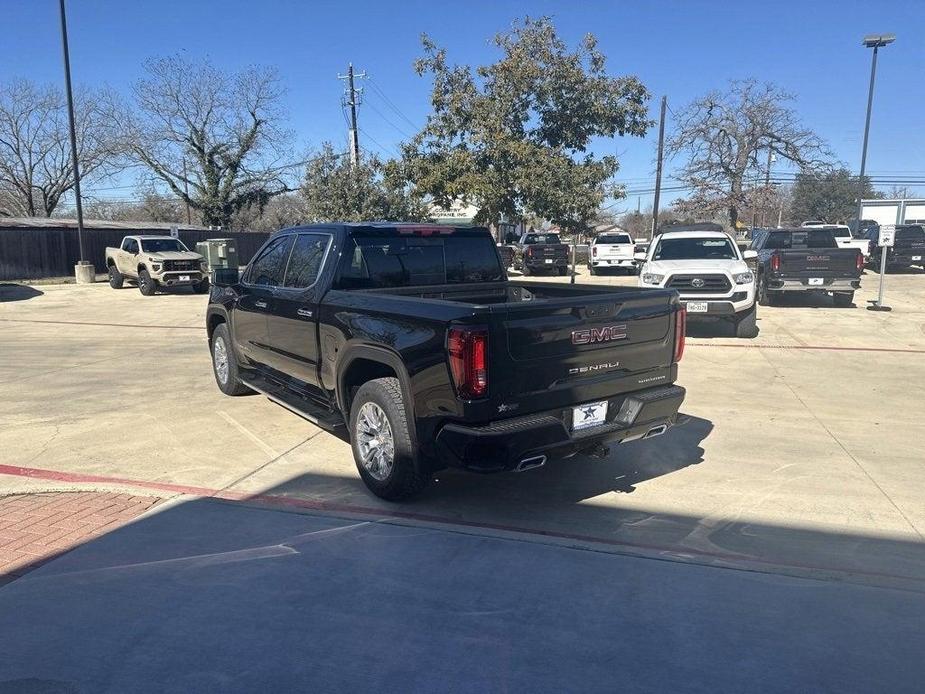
305 313
260 304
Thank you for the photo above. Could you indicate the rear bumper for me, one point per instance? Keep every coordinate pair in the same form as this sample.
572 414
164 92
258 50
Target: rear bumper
829 284
540 263
615 262
504 444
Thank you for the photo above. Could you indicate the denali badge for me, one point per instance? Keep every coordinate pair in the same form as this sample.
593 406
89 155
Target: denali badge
607 334
697 282
578 370
817 258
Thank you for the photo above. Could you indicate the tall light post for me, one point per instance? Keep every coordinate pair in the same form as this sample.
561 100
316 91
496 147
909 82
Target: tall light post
84 271
875 41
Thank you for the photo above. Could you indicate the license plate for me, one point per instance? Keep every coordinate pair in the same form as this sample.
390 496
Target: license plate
916 257
548 261
697 306
816 281
184 278
591 415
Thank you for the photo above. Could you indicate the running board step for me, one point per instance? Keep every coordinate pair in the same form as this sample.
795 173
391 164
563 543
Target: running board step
316 413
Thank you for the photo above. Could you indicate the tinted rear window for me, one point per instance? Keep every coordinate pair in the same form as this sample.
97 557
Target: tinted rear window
910 234
613 238
811 238
371 262
542 238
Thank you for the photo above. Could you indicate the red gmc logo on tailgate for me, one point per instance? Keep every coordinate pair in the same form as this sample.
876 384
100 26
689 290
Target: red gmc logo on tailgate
592 335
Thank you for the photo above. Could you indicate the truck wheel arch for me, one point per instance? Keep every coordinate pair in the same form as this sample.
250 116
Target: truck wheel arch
362 363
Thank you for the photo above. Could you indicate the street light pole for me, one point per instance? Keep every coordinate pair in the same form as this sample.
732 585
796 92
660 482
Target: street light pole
81 271
875 41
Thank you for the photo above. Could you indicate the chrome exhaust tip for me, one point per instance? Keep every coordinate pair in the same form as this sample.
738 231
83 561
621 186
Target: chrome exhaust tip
530 463
656 431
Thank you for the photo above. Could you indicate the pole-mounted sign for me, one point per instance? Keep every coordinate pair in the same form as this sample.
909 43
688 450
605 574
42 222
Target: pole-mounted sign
885 238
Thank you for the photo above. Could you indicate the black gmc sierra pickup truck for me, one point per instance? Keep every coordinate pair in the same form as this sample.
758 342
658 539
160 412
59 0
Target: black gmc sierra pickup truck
412 338
805 259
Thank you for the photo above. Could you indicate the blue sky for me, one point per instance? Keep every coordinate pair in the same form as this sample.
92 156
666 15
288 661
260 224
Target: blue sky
681 49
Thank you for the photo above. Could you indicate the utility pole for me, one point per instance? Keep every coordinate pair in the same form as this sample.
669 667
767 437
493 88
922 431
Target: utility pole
82 273
352 99
658 167
189 219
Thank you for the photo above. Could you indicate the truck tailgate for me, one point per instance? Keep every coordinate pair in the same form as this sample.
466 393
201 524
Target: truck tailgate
583 349
825 262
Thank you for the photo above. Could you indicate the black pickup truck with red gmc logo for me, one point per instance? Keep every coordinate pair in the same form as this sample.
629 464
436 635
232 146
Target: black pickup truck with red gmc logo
805 259
412 341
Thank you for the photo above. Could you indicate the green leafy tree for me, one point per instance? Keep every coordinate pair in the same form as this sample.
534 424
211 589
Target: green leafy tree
336 190
829 197
512 137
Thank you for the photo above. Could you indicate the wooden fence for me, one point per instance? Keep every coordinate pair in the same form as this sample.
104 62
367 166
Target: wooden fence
33 253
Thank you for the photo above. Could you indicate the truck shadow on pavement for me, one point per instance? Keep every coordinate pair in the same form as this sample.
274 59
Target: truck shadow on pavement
18 292
217 595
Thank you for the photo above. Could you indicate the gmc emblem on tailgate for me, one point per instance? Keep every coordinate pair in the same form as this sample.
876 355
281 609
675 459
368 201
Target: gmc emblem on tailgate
606 334
817 258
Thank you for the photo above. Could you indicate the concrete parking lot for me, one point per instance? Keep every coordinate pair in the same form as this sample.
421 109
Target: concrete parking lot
800 449
782 518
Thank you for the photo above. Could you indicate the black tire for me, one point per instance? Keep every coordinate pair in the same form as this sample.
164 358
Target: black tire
563 271
231 385
765 297
592 270
146 285
525 270
406 477
843 299
201 287
746 323
116 280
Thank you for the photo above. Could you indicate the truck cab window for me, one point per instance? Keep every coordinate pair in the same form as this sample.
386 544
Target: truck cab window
267 270
305 261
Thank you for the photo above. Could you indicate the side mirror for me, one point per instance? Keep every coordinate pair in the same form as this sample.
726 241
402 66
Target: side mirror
750 254
639 257
225 276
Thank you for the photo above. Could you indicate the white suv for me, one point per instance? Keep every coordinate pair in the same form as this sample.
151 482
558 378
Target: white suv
708 271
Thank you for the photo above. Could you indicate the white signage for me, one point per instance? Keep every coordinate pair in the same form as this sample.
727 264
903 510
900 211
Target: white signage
887 233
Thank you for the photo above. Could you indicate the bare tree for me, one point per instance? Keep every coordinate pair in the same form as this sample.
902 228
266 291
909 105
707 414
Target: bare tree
218 134
35 157
727 138
902 193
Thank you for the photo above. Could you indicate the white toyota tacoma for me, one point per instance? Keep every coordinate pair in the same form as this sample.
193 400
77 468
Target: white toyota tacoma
709 272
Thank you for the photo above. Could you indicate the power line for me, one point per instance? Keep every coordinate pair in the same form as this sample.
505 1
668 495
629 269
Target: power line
386 119
392 105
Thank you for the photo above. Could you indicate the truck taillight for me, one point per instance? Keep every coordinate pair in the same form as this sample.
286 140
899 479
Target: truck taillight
468 352
680 333
775 262
594 250
530 250
860 261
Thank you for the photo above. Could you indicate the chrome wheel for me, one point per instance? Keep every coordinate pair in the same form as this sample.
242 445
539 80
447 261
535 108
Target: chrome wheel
375 441
220 358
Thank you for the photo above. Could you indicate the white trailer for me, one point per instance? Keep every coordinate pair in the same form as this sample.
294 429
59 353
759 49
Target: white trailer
908 211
